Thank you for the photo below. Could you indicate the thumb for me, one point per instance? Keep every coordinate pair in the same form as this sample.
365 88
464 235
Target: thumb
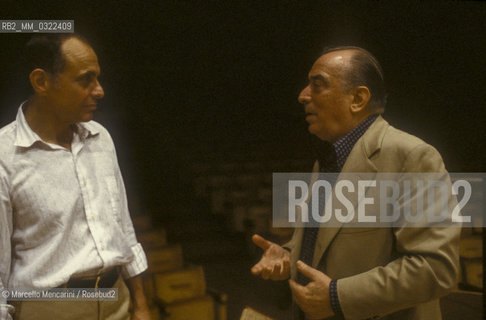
261 242
307 271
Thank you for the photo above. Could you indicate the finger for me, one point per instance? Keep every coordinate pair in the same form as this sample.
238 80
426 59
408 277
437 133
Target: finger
256 269
286 268
308 271
266 273
276 272
261 242
292 284
298 293
296 288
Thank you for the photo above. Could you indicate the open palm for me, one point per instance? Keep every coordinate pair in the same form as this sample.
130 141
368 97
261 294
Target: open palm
275 262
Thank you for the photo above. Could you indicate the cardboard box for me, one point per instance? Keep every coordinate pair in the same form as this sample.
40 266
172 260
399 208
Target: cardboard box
152 239
221 311
238 218
261 218
471 247
180 285
220 303
251 314
165 258
282 232
472 272
265 194
194 309
141 223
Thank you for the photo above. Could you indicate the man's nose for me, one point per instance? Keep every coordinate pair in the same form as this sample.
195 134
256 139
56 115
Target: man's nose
98 91
304 96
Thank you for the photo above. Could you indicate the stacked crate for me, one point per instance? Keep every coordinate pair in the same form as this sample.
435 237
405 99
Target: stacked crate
471 244
175 291
240 193
251 314
471 253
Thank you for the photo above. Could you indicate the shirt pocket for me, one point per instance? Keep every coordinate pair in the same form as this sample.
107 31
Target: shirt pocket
114 197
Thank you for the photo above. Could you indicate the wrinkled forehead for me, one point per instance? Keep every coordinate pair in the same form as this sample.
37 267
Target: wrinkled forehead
332 63
79 54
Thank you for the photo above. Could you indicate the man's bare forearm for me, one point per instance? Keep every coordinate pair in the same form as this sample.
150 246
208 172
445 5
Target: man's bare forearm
135 285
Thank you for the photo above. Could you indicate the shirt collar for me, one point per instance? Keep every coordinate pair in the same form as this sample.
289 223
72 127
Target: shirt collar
344 145
26 137
86 129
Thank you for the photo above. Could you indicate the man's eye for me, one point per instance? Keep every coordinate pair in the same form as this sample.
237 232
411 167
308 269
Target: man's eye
86 81
316 84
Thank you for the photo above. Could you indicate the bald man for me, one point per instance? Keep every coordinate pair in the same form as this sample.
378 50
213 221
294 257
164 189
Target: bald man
363 273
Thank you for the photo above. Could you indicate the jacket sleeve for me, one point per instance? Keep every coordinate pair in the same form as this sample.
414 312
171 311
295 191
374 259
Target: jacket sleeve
427 265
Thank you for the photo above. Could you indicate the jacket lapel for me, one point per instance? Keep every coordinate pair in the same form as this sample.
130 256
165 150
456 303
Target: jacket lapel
360 160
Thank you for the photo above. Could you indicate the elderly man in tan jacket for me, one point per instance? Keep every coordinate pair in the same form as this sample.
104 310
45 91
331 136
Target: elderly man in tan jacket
395 272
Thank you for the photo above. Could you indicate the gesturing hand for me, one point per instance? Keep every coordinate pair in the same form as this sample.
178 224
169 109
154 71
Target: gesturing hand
313 299
275 262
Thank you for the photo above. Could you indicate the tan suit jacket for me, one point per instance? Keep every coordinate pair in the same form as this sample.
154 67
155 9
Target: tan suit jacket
390 272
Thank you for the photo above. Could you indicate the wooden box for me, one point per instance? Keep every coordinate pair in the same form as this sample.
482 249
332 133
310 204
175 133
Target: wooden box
195 309
141 223
261 217
220 303
152 239
180 285
472 270
251 314
471 247
165 258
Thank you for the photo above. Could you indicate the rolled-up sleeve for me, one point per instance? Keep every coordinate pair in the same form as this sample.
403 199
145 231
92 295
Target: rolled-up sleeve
138 265
139 262
6 310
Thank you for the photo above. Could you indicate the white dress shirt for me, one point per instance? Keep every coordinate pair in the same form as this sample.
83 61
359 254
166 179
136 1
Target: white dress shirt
63 214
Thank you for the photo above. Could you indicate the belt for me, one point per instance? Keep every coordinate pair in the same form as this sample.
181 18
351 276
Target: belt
103 280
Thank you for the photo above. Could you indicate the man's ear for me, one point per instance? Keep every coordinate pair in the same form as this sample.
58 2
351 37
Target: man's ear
361 97
40 81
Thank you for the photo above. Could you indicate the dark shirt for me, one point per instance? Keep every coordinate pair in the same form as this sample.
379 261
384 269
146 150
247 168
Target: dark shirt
331 160
343 146
342 149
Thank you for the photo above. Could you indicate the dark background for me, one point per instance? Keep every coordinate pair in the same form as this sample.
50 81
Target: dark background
199 81
184 80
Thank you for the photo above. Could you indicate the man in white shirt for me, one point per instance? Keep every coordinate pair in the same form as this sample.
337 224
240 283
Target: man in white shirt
64 220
